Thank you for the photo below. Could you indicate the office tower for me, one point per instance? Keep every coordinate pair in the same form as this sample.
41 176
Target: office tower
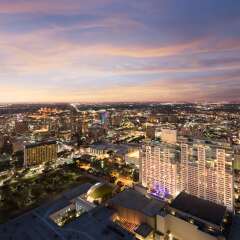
21 127
150 132
7 145
76 124
169 135
206 171
38 153
84 123
96 132
116 120
158 169
237 161
104 118
152 118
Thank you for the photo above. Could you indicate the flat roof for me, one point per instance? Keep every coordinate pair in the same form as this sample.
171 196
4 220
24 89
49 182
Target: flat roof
37 144
96 225
93 225
37 225
134 200
235 228
197 207
143 230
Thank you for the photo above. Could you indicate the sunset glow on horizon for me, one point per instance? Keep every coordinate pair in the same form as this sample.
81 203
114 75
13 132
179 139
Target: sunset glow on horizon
119 50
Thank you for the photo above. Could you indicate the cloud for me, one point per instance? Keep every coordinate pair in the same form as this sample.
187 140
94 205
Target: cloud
214 88
39 53
53 6
110 49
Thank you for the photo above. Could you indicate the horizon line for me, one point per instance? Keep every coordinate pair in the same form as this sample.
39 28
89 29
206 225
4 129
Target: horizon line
121 102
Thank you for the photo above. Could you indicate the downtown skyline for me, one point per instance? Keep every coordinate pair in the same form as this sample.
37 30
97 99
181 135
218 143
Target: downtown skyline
109 50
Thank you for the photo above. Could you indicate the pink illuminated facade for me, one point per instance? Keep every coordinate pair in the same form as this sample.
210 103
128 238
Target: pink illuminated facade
206 172
158 166
201 169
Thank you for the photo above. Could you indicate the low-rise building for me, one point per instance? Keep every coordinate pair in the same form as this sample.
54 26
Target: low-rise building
189 217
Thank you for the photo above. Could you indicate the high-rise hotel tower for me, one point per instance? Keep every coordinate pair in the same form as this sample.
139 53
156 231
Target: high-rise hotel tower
203 169
159 169
207 171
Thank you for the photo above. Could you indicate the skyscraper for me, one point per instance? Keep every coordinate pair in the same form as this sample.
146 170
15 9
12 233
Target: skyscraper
158 168
150 132
169 135
203 169
206 171
21 127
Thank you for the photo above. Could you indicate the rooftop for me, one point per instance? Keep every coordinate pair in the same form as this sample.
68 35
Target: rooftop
134 200
199 208
97 224
143 230
235 228
36 224
37 144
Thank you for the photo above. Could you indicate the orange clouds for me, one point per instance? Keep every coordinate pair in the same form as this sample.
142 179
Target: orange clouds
37 53
57 60
199 89
114 93
45 6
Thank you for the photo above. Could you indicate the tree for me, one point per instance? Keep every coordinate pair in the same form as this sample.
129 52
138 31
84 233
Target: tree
18 159
135 175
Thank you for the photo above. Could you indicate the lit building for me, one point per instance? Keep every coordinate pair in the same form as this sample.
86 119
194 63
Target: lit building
237 161
136 213
169 135
76 124
206 171
7 145
38 153
203 169
116 120
150 132
133 158
100 151
96 133
186 218
158 169
21 127
189 217
104 117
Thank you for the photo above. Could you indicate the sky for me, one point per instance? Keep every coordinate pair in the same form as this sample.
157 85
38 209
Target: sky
119 50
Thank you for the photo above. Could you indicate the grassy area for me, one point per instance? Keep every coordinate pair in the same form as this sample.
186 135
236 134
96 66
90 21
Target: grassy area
21 195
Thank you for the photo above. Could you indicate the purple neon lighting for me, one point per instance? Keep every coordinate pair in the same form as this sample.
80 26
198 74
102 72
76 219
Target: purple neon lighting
159 191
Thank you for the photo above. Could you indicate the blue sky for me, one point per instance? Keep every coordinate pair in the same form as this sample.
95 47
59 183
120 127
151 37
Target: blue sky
111 50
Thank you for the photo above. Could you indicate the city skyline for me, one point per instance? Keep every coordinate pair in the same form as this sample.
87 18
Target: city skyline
119 171
115 51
